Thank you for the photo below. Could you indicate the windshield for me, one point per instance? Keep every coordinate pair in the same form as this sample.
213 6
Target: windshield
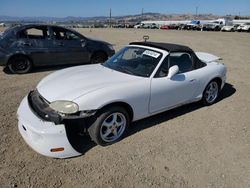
8 32
135 61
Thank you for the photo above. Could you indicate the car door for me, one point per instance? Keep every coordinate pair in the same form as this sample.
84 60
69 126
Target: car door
69 46
34 42
167 93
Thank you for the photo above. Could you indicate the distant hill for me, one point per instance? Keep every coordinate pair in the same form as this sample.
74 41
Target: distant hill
127 18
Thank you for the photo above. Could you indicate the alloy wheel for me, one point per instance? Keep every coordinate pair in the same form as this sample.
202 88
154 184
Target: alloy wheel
211 92
113 127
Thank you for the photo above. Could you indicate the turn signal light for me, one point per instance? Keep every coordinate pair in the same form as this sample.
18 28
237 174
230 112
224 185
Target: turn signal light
56 149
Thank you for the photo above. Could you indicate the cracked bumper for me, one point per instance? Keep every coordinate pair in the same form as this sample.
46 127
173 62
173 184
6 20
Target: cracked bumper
42 136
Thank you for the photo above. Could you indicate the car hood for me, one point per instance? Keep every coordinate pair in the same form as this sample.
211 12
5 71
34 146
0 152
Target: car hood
71 83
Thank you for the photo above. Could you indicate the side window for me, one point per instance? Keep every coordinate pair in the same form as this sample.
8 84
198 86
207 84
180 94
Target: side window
182 59
163 69
58 35
71 36
61 34
34 33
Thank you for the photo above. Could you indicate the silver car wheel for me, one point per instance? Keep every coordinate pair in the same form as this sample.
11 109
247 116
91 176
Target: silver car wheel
212 92
113 127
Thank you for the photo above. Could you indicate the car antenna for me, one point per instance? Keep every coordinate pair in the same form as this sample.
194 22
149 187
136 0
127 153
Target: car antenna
145 38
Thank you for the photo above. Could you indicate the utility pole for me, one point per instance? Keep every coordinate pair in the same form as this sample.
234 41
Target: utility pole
142 10
196 11
110 16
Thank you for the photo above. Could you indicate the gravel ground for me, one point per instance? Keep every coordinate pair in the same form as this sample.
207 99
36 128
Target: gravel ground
192 146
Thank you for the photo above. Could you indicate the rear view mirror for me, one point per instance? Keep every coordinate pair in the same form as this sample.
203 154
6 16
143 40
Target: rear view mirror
172 71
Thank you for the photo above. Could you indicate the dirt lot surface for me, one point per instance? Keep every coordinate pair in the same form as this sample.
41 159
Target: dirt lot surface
192 146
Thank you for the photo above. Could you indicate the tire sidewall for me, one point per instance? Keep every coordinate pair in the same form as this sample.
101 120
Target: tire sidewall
15 60
94 129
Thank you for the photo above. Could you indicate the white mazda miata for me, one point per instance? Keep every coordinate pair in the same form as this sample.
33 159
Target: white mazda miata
142 79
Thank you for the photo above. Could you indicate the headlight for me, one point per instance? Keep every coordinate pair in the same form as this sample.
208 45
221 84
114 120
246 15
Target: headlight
110 46
66 107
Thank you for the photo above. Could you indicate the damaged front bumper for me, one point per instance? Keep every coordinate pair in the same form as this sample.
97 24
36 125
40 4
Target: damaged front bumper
46 131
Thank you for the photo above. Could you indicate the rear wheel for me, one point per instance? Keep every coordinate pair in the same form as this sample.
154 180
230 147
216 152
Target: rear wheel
211 93
110 126
19 65
99 57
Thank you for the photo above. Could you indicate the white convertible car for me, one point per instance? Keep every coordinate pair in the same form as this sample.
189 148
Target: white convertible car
142 79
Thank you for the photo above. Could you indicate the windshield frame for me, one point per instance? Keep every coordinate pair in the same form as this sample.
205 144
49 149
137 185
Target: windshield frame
162 55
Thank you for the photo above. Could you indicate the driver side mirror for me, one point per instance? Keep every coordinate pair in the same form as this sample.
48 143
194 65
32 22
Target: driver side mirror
172 71
83 43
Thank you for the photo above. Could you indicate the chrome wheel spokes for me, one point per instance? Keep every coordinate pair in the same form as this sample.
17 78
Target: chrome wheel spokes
113 127
212 92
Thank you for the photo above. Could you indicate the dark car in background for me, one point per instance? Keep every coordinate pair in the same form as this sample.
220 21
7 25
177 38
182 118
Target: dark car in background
26 46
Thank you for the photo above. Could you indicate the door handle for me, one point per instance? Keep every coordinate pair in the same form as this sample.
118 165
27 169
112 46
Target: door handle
60 44
192 80
26 44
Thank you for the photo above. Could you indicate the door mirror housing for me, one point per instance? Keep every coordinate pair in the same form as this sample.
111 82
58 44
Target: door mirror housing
83 43
172 71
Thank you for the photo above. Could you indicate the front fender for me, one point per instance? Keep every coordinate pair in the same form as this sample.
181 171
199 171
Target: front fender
134 94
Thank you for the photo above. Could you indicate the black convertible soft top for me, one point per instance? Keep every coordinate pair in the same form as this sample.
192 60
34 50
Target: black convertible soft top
197 63
165 46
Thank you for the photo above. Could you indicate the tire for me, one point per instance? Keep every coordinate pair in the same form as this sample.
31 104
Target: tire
109 126
98 57
211 93
20 65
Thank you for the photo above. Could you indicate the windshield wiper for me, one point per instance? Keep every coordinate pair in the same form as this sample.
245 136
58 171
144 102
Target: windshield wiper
125 70
118 68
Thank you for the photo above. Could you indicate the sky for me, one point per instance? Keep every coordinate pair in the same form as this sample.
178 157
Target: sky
90 8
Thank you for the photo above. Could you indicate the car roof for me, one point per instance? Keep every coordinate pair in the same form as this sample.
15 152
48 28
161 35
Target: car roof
23 26
164 46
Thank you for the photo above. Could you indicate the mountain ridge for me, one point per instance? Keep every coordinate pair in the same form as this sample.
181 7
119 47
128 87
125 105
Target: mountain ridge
129 18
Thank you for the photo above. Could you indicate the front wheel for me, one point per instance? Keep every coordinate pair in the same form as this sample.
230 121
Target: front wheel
20 65
109 126
211 93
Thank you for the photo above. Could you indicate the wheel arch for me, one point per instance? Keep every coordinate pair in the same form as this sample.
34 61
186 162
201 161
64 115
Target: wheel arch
217 79
124 105
19 54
